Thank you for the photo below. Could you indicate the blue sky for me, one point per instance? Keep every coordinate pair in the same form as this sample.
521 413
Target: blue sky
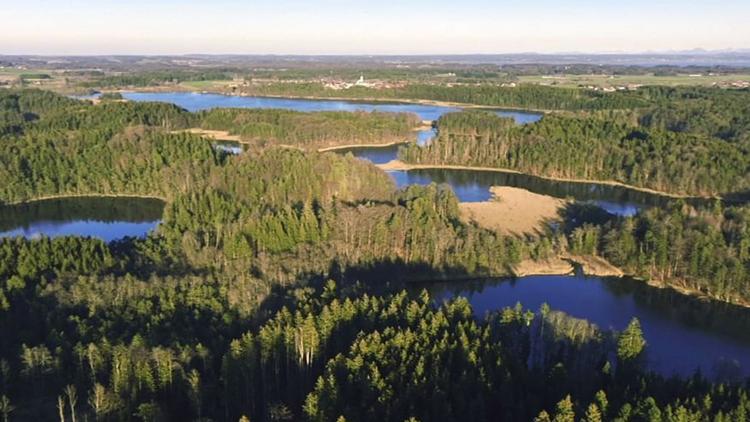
382 27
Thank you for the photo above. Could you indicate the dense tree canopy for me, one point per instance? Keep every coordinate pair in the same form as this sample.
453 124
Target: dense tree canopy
528 96
226 310
311 130
652 148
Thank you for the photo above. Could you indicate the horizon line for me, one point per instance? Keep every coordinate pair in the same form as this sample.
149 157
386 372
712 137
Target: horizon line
695 51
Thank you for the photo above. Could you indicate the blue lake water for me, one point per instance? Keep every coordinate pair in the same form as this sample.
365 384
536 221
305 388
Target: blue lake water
101 217
474 185
683 333
424 137
469 185
193 101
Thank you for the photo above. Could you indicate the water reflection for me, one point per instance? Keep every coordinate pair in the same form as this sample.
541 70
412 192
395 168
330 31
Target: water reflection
230 147
106 218
193 101
425 137
474 186
683 333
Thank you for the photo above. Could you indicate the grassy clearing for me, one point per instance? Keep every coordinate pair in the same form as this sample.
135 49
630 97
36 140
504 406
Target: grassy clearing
205 84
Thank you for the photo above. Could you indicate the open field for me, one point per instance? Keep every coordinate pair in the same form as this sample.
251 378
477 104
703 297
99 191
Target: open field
204 85
513 211
219 135
600 81
57 81
622 80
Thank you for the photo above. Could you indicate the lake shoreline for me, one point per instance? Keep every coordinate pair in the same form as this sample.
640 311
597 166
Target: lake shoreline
687 291
565 266
352 146
595 266
224 135
85 195
398 165
438 103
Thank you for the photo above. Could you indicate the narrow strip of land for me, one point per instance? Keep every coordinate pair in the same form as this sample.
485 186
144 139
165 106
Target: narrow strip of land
382 145
85 195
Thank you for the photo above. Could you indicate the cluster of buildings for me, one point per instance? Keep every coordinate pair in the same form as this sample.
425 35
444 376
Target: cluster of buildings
627 87
734 84
338 84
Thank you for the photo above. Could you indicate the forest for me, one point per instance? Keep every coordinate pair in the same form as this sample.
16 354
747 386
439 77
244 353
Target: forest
705 250
55 145
157 77
311 130
690 142
524 96
276 288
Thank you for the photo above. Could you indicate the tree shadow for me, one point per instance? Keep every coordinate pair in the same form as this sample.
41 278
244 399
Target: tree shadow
577 214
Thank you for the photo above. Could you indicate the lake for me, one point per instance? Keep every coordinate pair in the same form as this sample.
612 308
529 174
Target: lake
194 101
469 185
474 185
683 333
106 218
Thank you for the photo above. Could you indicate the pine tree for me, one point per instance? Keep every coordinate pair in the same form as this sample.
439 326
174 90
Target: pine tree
564 411
592 414
5 407
630 344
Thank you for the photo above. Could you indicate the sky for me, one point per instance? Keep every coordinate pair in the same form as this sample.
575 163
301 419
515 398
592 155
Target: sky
369 27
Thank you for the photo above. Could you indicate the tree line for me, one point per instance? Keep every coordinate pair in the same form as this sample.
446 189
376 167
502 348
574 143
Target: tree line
525 96
598 146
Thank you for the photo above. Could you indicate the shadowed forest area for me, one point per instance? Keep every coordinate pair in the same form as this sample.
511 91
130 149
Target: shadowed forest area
274 287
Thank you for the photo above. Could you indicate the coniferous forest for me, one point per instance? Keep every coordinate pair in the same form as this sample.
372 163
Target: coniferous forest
275 287
686 141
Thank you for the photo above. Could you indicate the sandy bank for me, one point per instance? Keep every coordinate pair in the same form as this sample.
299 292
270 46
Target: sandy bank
552 266
84 195
381 145
219 135
595 265
223 135
564 265
513 211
